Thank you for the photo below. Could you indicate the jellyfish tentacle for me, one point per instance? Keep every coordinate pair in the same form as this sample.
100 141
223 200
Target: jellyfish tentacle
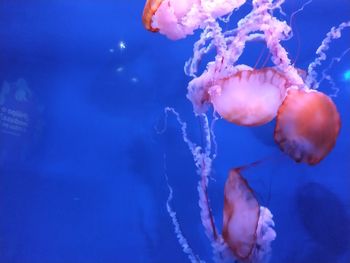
334 33
212 33
217 242
265 235
203 162
328 77
186 248
213 136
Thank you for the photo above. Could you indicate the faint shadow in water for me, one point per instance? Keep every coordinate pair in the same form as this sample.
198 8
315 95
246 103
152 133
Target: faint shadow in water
264 133
325 219
140 161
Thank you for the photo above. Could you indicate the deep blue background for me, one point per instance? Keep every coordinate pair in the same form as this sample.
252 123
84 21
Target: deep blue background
85 183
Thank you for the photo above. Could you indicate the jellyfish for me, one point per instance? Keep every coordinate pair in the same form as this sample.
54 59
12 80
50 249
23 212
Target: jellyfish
308 122
307 125
177 18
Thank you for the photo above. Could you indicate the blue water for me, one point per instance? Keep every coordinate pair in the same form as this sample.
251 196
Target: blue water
84 180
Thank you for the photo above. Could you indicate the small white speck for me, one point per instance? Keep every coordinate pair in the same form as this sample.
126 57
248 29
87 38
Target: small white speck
122 45
111 50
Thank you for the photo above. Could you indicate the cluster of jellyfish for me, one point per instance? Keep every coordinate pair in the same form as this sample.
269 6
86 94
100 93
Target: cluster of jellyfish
307 120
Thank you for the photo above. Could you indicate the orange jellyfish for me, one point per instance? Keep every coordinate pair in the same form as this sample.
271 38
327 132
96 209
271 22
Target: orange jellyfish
250 97
307 125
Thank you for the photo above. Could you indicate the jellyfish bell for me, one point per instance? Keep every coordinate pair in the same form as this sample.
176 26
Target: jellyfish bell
247 227
307 125
249 97
241 215
179 18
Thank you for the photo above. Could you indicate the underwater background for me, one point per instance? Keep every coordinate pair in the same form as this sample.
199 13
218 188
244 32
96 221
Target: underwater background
82 178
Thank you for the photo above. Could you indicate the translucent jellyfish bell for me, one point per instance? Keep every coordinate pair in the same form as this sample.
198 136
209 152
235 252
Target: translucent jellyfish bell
250 97
241 215
247 226
307 125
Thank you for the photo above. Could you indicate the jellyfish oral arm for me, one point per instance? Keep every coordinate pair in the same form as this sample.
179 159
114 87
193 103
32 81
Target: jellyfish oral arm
265 235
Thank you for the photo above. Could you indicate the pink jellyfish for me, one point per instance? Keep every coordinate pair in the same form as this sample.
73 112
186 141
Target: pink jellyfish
177 18
247 227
